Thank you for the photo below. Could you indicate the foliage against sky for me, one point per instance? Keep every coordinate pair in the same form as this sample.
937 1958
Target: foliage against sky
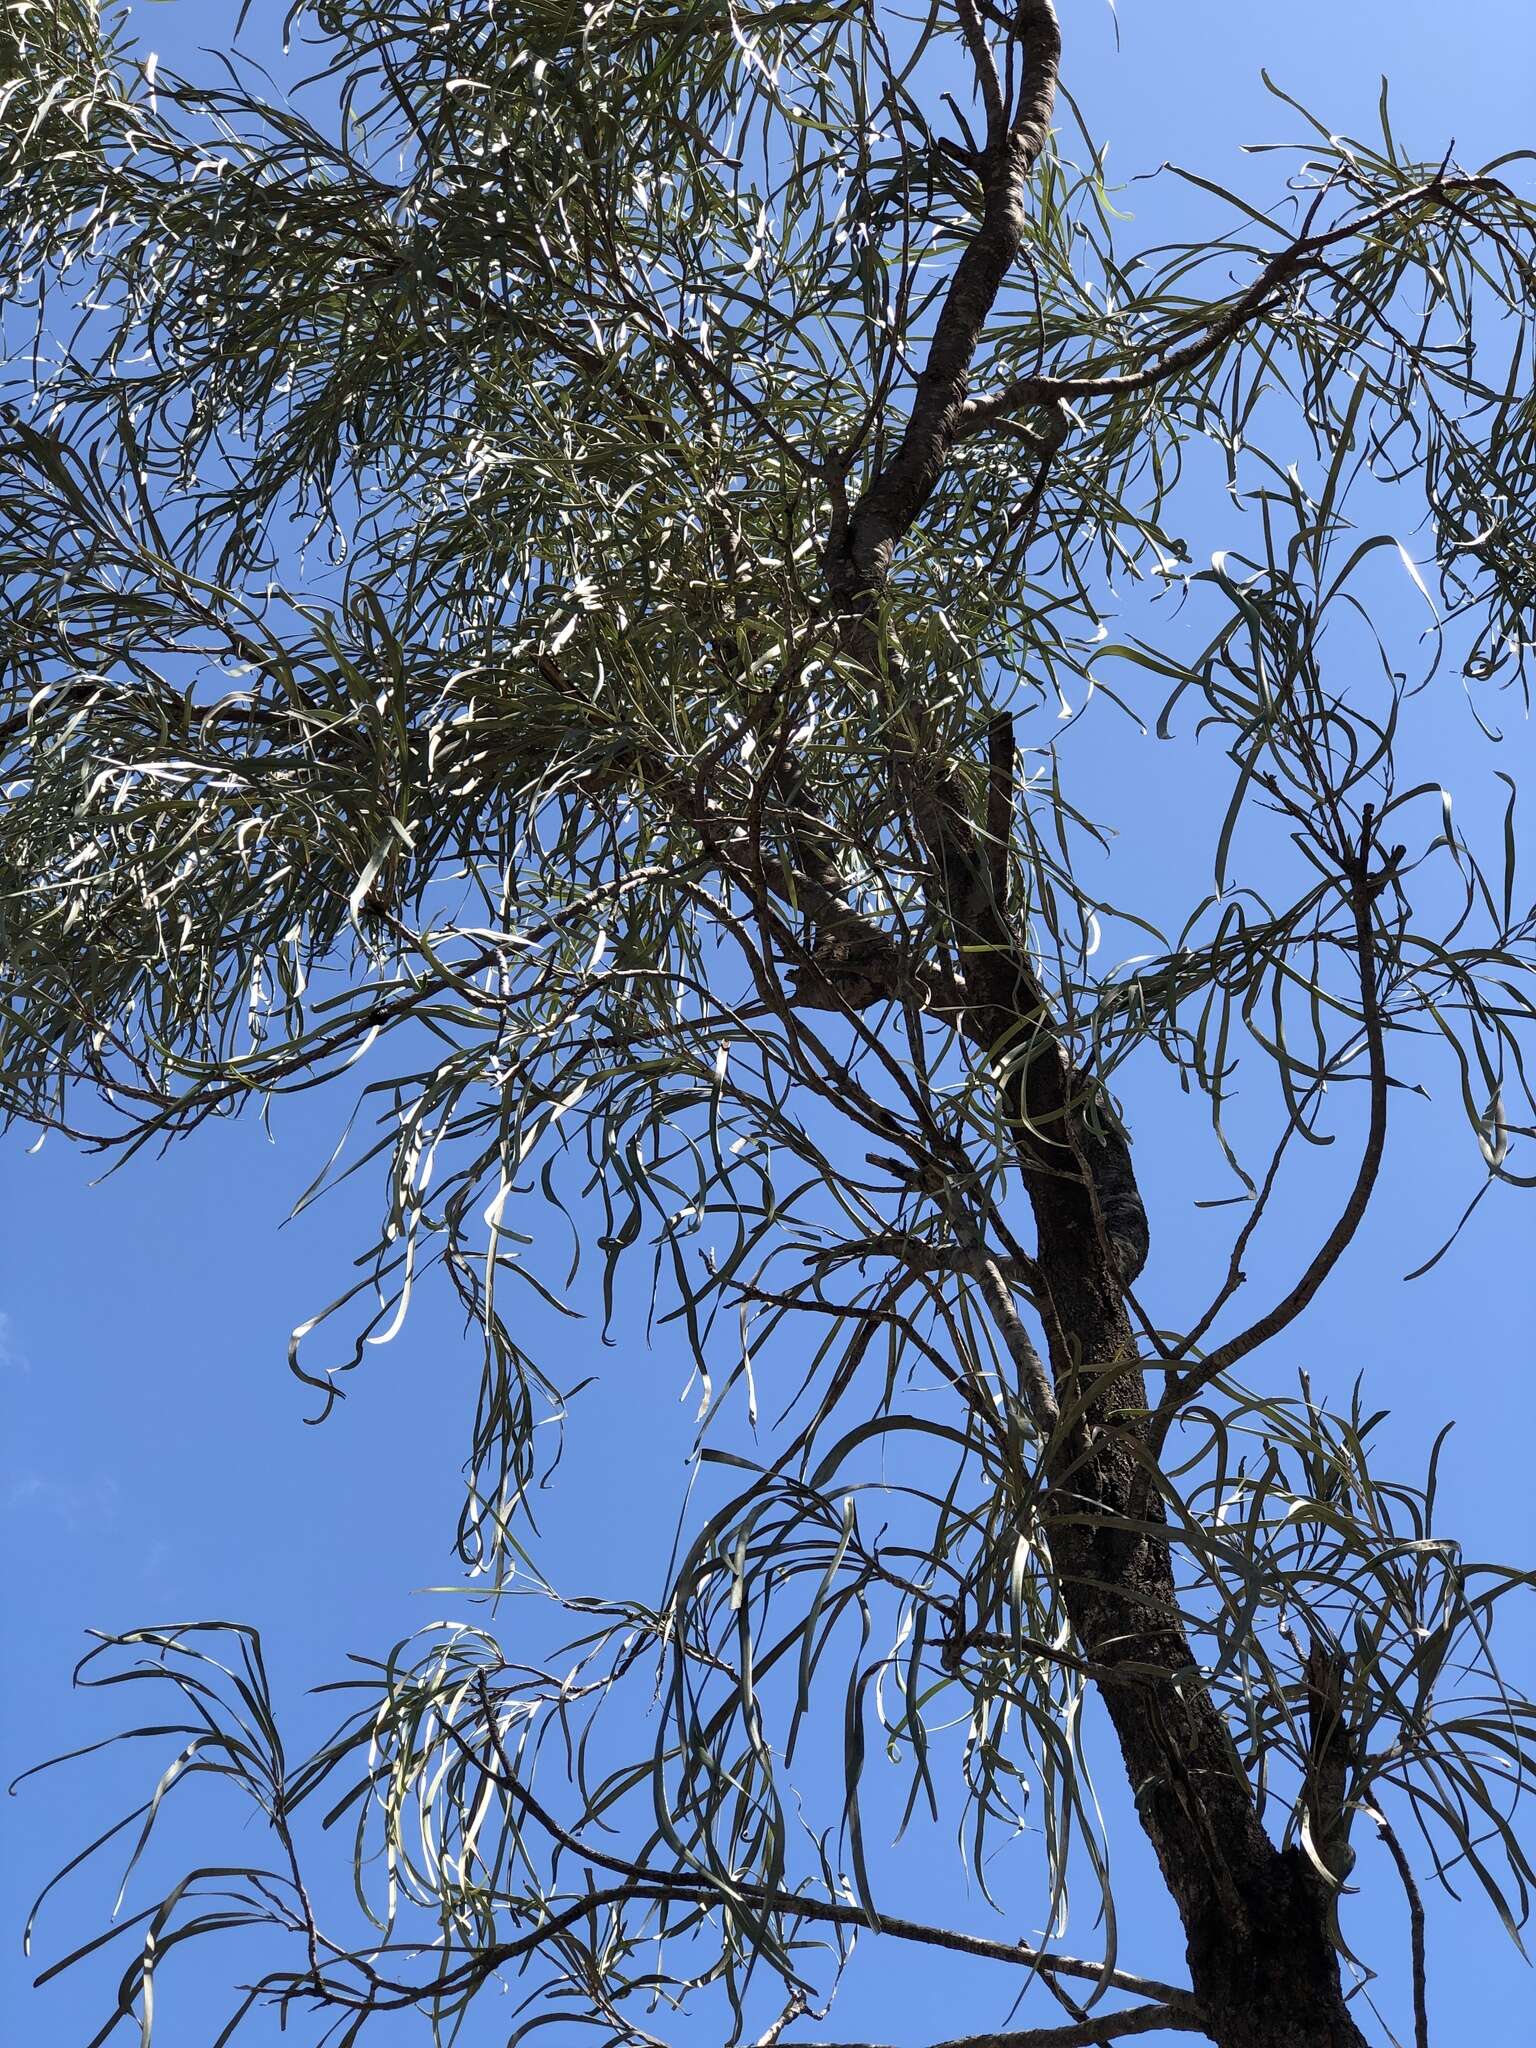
511 592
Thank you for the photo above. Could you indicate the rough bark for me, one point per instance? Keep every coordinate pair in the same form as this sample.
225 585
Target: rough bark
1255 1917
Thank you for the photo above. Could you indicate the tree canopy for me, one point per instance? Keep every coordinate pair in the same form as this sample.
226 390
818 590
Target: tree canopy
578 576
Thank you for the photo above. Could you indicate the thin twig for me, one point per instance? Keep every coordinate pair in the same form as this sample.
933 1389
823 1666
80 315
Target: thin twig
1399 1856
1364 887
829 1911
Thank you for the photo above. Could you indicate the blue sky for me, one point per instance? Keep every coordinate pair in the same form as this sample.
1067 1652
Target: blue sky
155 1463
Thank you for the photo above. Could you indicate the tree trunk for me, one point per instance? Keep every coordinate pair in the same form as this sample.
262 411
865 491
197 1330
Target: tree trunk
1255 1917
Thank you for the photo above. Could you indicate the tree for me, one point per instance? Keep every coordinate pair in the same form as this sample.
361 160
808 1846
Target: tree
545 575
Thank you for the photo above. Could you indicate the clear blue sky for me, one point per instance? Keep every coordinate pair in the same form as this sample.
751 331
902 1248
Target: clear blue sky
155 1465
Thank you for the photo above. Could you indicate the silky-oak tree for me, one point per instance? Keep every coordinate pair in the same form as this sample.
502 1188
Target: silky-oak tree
595 577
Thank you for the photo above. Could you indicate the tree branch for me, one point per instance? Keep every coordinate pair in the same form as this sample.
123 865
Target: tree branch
1175 354
892 501
1088 2033
829 1911
1399 1856
1364 888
